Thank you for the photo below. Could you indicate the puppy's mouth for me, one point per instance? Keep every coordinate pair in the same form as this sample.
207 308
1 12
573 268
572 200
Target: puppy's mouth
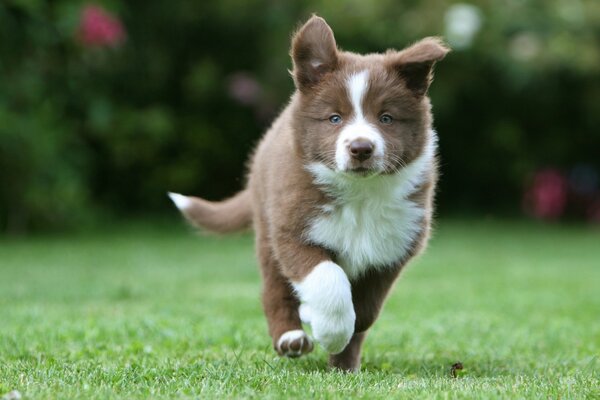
362 171
370 167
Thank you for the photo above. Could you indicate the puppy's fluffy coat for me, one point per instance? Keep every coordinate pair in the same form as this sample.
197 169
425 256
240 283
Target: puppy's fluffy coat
339 191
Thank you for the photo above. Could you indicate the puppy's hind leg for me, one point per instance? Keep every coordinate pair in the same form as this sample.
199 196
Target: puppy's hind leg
281 309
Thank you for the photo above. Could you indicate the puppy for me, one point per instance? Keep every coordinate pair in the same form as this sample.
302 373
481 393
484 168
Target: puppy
339 191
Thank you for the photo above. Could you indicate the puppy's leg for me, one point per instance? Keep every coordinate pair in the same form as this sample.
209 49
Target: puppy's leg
281 310
368 295
321 286
281 307
327 305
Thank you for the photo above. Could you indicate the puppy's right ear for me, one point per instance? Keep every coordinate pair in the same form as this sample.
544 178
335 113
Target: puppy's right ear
314 53
415 63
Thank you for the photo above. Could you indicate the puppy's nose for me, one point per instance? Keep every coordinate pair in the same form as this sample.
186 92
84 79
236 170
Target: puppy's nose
361 149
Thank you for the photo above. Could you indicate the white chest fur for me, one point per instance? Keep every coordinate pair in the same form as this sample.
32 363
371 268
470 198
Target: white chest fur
371 223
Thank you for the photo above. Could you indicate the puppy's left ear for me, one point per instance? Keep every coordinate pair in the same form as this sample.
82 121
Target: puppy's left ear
415 63
314 53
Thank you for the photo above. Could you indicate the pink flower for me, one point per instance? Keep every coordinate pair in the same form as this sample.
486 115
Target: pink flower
99 28
546 198
244 88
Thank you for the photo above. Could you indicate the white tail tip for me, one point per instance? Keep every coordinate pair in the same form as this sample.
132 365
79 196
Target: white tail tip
182 202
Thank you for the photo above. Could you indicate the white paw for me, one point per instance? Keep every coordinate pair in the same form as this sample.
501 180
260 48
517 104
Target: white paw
294 344
327 305
333 329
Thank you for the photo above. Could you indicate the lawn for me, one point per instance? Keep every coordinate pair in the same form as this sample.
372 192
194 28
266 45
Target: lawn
154 311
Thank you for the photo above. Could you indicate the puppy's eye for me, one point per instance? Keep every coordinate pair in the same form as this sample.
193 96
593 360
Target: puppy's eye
386 119
335 119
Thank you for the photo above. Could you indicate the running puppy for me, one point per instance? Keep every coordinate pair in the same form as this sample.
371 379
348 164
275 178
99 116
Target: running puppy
339 192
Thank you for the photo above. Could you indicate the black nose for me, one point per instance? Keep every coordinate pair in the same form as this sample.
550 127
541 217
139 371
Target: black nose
361 149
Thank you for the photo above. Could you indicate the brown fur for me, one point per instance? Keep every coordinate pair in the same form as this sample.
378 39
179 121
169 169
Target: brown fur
281 198
225 216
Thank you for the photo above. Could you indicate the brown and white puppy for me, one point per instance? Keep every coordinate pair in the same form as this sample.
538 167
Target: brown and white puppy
339 191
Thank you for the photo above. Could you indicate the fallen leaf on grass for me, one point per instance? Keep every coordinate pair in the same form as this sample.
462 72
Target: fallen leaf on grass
455 367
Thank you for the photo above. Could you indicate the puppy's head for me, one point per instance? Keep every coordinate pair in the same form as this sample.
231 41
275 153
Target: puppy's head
361 114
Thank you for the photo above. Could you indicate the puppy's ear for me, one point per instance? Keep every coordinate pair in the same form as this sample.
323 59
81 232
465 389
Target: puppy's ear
314 53
415 63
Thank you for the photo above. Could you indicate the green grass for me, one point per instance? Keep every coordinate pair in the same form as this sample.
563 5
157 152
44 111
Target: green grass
157 312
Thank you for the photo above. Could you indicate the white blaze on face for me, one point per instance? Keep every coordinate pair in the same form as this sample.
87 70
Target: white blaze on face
358 127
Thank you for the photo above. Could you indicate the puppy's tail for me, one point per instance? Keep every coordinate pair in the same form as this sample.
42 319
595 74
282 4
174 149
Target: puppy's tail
225 216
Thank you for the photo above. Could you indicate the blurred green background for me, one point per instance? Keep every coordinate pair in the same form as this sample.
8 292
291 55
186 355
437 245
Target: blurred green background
105 106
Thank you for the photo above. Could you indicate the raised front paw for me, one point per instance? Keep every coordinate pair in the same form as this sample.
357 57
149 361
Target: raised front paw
293 344
333 330
326 297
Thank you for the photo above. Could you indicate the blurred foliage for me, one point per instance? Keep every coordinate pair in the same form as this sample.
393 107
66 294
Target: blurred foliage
88 131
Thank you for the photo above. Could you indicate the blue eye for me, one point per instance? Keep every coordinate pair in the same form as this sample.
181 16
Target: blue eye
386 119
335 119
